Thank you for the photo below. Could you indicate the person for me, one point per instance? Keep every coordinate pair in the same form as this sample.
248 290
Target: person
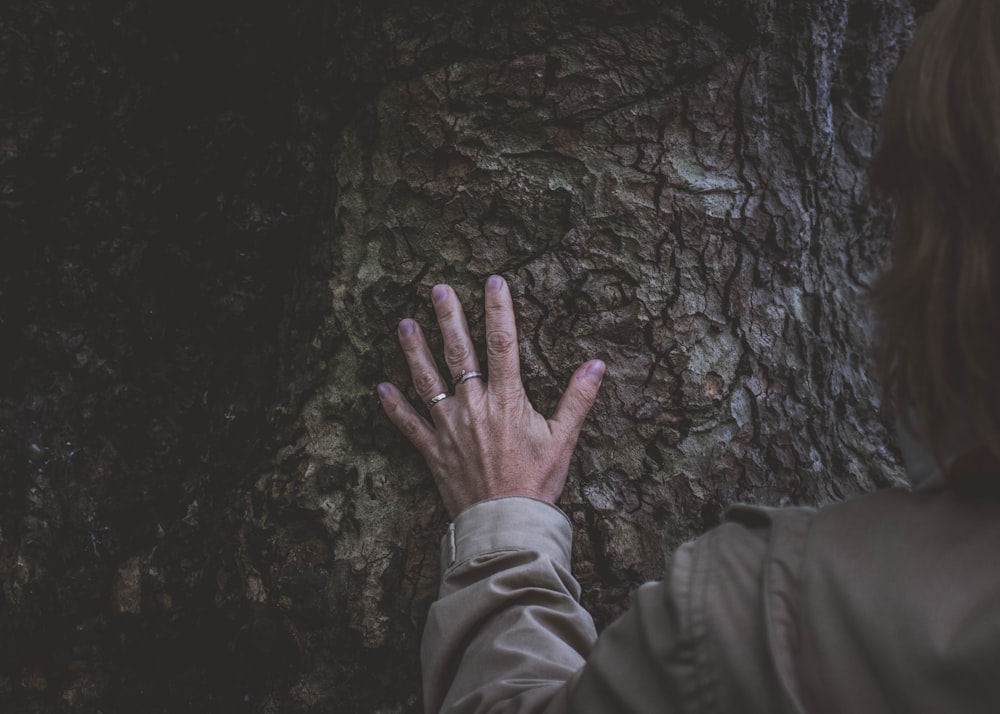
887 602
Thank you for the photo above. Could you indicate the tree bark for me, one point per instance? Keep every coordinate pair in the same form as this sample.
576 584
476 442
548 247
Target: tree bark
676 188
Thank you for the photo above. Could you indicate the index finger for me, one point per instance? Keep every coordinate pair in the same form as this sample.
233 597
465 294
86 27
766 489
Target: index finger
501 339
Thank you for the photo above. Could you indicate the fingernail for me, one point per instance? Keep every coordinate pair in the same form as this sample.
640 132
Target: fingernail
494 283
439 292
596 371
406 327
382 390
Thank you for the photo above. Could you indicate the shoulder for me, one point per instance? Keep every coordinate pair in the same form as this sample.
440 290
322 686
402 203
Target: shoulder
809 599
733 586
896 580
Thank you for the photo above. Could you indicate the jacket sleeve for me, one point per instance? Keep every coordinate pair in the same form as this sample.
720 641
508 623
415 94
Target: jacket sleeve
508 633
508 629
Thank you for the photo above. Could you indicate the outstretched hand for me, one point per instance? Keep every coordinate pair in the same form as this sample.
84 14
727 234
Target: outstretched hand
485 440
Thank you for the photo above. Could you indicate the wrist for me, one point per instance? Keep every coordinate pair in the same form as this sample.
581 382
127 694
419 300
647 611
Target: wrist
508 523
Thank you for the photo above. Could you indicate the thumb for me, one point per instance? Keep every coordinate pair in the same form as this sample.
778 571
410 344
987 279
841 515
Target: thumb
577 400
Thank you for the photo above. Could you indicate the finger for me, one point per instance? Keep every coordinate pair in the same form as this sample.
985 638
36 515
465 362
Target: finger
459 353
576 401
426 378
401 413
501 339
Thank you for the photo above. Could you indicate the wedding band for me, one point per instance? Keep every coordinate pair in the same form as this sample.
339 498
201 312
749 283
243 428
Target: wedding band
435 399
465 376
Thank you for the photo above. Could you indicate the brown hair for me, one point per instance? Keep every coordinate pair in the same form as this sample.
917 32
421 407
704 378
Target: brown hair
938 304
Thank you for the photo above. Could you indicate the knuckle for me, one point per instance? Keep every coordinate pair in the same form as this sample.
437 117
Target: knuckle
446 312
424 382
505 400
403 417
583 401
508 398
579 395
573 405
579 406
495 313
475 422
409 424
457 353
499 341
395 410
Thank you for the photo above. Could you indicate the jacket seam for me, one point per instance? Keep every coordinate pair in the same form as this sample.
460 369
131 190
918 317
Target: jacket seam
702 699
779 535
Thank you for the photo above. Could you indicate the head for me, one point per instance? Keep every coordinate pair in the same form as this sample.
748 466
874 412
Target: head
938 304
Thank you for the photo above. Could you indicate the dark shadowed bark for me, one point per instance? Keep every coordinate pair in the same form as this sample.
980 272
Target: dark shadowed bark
214 219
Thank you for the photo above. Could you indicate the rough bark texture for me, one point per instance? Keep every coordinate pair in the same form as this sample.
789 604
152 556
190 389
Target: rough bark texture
214 216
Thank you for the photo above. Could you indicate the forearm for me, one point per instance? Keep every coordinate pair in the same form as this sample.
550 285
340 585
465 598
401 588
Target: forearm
508 628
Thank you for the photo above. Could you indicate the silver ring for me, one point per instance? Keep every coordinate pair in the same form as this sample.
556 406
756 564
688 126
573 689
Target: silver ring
437 398
465 376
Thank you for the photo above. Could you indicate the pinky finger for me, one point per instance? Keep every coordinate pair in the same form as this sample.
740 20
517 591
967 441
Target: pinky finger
401 413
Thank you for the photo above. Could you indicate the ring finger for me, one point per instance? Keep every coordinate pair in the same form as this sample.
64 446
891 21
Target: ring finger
459 352
427 380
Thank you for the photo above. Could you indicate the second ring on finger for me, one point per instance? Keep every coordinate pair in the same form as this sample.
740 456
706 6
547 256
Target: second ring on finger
464 376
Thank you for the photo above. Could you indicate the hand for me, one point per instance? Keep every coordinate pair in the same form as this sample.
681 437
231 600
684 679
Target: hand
486 440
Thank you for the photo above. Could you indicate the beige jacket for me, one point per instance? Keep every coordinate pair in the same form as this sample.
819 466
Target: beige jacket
885 603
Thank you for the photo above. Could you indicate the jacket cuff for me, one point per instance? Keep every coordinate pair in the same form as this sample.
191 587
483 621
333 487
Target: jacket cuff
509 523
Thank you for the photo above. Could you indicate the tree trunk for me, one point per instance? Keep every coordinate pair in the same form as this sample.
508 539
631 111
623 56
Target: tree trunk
217 222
